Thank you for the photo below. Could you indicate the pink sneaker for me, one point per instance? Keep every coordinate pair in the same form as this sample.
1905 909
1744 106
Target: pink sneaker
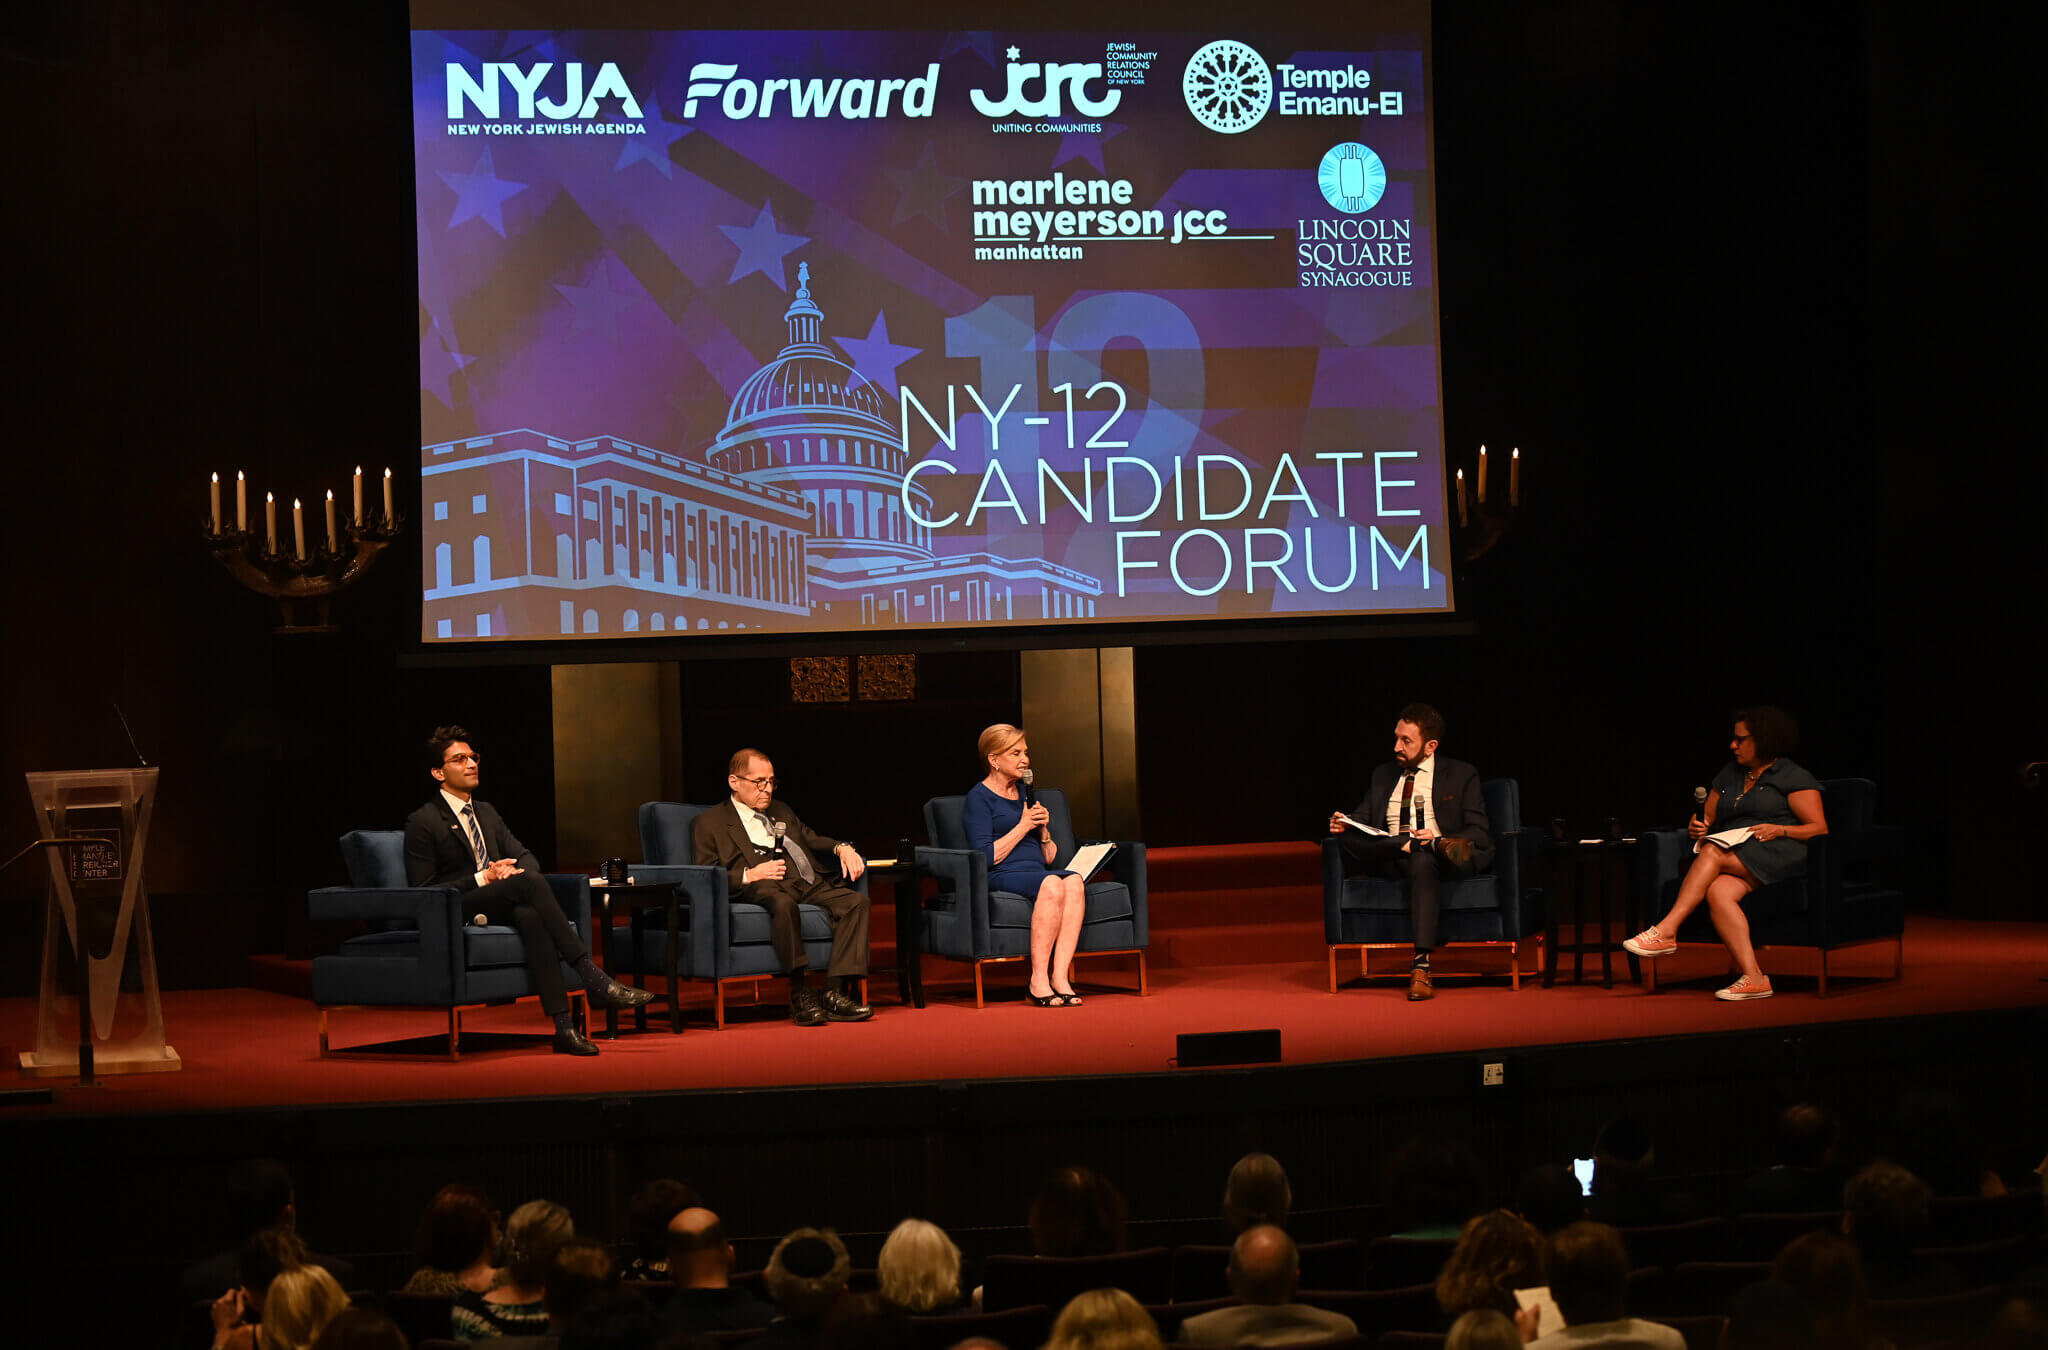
1745 988
1650 942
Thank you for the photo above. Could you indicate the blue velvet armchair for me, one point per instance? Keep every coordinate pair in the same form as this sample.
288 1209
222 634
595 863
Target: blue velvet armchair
1842 901
421 951
1493 908
966 921
719 939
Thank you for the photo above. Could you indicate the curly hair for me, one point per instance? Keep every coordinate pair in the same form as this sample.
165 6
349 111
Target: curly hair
1498 1253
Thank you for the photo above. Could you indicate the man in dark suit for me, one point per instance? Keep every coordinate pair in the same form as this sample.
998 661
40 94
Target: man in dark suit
780 873
455 840
1434 821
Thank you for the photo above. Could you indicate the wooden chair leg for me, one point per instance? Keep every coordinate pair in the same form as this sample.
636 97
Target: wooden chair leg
977 985
718 1004
1333 970
1514 969
1143 988
454 1033
323 1034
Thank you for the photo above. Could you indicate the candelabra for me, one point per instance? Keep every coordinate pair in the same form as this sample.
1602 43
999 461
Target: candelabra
1485 524
301 576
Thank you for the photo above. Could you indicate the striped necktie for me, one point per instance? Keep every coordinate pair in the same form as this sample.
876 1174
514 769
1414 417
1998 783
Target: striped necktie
476 837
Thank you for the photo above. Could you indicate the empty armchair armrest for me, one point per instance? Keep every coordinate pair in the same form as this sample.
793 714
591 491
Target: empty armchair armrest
414 905
1127 865
959 870
572 893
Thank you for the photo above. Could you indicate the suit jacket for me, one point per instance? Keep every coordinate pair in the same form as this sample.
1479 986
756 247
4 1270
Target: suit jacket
437 851
1457 806
1264 1324
717 838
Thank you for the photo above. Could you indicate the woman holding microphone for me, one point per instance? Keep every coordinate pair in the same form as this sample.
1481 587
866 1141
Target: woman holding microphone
1004 820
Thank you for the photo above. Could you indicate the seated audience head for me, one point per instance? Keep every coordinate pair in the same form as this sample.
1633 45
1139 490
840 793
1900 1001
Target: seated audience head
807 1273
2021 1323
533 1232
1827 1274
259 1195
1256 1192
361 1329
1550 1198
266 1256
919 1267
1588 1272
700 1256
458 1228
617 1319
1104 1319
1265 1267
1077 1212
1772 730
579 1271
1498 1253
1807 1135
1432 1182
1886 1210
1768 1315
300 1304
648 1213
866 1322
1624 1155
1483 1329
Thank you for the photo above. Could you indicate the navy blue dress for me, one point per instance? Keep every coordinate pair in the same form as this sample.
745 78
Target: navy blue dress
989 816
1767 803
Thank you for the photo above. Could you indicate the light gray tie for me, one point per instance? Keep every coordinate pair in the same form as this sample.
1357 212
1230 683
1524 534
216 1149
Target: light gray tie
476 838
798 859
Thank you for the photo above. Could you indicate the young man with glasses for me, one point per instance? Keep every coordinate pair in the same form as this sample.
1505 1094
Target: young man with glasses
781 872
456 840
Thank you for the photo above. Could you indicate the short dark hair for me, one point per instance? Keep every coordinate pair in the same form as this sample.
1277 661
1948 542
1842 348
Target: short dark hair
579 1271
438 743
455 1229
1432 1181
741 758
1772 729
258 1189
1256 1192
650 1209
1077 1212
268 1254
1888 1208
1427 720
1589 1273
1805 1134
1550 1197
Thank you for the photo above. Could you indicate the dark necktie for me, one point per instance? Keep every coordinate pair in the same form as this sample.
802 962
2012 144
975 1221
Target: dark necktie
798 859
476 838
1407 801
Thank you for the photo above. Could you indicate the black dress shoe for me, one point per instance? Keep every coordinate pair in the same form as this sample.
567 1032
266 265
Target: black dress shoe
609 993
806 1009
840 1007
573 1042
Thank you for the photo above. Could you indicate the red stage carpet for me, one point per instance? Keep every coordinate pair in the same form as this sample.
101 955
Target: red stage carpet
248 1048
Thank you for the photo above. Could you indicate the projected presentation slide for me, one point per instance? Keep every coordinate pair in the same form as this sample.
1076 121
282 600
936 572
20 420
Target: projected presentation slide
825 332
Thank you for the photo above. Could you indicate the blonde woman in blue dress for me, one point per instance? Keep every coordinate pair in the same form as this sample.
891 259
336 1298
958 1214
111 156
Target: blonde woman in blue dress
1018 841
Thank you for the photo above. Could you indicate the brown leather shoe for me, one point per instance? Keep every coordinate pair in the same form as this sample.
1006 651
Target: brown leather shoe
1457 850
1419 986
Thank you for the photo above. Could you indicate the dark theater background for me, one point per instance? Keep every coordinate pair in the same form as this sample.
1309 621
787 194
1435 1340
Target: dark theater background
1754 287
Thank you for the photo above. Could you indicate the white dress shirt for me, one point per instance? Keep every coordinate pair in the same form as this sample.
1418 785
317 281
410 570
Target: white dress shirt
1420 815
458 806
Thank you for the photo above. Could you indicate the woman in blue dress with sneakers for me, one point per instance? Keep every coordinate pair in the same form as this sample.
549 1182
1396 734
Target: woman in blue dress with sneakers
1779 803
1018 841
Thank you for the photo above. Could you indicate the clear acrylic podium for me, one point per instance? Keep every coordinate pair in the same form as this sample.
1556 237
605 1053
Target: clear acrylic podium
98 902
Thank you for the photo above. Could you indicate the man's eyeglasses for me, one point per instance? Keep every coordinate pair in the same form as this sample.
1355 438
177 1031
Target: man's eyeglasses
462 759
757 782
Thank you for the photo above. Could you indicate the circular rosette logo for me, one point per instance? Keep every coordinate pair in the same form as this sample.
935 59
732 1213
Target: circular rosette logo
1228 87
1352 178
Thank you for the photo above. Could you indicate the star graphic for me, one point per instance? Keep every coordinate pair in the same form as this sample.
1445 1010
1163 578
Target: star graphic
1013 53
656 136
597 305
981 44
480 194
762 248
923 191
1086 145
875 356
437 362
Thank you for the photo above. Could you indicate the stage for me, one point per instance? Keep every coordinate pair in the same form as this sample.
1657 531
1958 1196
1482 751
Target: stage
247 1049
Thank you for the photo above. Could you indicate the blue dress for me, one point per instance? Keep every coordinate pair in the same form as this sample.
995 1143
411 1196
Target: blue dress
987 817
1767 803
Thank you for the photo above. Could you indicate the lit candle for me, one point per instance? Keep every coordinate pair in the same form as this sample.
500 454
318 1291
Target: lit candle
359 495
1482 475
333 535
390 512
241 503
270 519
1515 477
213 522
1463 521
298 529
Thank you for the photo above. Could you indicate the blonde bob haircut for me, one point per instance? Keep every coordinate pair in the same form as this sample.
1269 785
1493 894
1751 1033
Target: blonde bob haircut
300 1304
997 739
919 1268
1104 1319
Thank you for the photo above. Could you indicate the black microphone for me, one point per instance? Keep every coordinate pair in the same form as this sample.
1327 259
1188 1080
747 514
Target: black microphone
1699 802
1024 788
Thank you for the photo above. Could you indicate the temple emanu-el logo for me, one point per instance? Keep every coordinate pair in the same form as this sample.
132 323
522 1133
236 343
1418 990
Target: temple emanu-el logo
792 519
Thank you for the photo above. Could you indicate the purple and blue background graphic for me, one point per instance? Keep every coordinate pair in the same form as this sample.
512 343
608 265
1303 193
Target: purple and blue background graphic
1000 354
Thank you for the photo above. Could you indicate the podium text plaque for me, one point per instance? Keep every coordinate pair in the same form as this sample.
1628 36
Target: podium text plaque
86 884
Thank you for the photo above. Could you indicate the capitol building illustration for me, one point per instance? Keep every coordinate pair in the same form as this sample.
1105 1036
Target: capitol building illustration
792 519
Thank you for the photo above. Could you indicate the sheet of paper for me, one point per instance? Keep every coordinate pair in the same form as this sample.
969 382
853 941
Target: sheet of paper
1549 1319
1726 838
1087 860
1361 825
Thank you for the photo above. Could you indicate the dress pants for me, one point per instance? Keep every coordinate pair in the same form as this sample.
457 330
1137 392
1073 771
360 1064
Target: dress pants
551 940
1420 867
847 908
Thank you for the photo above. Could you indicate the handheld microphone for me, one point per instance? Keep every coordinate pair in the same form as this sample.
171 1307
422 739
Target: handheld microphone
778 828
1699 802
1024 788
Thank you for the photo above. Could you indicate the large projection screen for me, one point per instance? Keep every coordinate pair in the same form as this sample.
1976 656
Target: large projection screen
825 332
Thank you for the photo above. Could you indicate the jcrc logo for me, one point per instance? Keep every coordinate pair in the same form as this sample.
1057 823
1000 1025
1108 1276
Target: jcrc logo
741 99
1056 77
483 92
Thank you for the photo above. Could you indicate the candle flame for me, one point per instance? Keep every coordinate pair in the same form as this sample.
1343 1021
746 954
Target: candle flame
359 471
270 496
330 494
1518 452
295 503
216 478
1461 475
387 473
238 475
1482 449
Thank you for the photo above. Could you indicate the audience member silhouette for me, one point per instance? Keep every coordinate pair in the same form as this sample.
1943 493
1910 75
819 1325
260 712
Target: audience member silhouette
257 1194
1805 1179
300 1304
1934 1138
237 1312
1077 1212
456 1244
1256 1191
647 1217
1432 1185
1498 1253
919 1269
1265 1269
866 1322
700 1262
1769 1316
517 1306
806 1275
1825 1271
1104 1319
1885 1213
1550 1197
1483 1329
1588 1269
1626 1190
